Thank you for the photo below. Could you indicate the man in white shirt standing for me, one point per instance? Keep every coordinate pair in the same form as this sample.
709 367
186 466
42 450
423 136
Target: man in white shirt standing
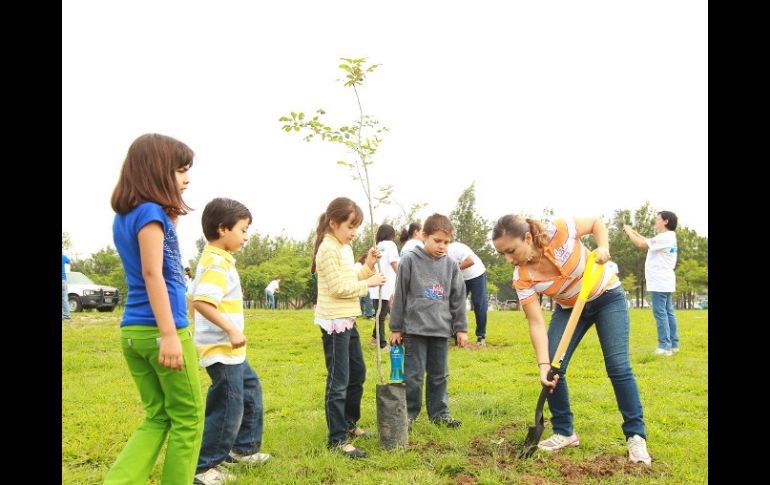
475 276
271 289
660 277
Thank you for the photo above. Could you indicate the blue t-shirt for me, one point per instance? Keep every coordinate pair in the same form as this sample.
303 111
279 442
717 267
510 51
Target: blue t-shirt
64 260
125 233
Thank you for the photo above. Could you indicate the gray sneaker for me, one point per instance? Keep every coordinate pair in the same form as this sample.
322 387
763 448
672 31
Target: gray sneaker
253 459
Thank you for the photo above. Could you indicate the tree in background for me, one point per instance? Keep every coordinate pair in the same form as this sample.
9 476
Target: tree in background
472 229
66 241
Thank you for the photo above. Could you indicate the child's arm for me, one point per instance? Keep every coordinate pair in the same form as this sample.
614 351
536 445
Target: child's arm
210 313
398 302
150 239
457 308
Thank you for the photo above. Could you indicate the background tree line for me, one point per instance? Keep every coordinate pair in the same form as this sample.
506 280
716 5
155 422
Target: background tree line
265 257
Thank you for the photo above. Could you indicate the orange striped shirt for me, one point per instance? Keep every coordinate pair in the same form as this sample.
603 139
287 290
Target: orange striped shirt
568 253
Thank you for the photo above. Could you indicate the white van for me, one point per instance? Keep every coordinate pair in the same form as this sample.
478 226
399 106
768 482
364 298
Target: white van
84 293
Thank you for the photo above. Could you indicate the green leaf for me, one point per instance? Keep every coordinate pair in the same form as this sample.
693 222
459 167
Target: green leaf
284 118
301 116
293 115
296 128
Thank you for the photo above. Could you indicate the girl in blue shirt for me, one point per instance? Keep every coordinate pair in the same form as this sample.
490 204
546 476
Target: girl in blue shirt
156 341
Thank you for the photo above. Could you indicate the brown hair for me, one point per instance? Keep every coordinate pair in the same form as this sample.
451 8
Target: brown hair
149 175
438 222
338 211
517 226
406 234
222 212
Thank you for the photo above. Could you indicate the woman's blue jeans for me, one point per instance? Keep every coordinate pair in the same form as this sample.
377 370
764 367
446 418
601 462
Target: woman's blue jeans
234 414
610 314
665 319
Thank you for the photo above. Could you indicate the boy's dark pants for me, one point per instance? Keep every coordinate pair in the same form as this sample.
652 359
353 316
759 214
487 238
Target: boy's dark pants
346 372
429 354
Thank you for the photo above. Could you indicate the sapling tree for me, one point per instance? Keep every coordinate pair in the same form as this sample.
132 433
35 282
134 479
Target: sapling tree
362 138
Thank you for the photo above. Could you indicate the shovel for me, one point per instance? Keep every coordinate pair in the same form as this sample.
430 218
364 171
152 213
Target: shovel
589 279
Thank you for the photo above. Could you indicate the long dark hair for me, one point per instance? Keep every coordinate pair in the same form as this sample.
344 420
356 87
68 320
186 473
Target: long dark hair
338 211
406 234
517 226
148 175
385 233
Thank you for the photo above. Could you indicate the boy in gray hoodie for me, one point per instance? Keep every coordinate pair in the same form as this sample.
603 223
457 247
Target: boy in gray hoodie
427 309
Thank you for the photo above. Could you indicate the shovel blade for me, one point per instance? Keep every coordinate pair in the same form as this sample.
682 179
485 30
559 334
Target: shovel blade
534 434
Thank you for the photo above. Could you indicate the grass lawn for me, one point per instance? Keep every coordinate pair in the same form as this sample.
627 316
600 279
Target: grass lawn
492 389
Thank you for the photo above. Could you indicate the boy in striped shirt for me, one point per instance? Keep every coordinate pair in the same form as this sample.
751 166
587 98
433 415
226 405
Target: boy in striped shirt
232 431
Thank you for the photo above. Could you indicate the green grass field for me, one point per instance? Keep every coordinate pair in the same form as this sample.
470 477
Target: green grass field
493 390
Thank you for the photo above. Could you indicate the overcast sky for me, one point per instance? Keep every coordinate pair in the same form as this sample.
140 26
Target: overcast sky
582 107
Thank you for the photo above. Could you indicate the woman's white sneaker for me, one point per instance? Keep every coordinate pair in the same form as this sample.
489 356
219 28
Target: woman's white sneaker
557 442
637 450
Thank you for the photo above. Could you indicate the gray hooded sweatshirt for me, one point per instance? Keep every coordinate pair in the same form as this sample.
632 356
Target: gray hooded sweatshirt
430 296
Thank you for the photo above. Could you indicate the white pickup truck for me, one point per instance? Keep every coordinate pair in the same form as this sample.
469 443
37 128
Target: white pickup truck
84 293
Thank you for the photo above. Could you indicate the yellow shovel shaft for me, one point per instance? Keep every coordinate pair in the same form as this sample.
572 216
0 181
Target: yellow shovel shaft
592 270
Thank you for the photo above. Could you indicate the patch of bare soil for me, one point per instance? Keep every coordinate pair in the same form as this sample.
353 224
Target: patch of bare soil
463 479
533 480
600 467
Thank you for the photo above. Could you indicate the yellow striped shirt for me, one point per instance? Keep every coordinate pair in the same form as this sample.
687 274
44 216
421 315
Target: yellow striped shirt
217 282
339 283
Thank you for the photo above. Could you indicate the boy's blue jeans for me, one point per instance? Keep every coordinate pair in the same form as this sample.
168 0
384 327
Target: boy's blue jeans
426 355
234 414
665 319
610 314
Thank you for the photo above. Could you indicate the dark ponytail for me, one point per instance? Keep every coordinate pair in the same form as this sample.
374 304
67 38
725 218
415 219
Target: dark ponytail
406 234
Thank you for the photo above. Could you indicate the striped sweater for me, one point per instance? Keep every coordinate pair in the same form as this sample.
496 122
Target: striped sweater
567 252
339 283
217 282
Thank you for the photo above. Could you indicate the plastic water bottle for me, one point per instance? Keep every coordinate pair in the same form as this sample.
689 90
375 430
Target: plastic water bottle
397 363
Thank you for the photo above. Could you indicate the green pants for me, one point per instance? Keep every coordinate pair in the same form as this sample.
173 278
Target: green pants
174 407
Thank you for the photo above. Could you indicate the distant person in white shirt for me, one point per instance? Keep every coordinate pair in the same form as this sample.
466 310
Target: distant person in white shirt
411 238
388 265
660 277
475 276
271 289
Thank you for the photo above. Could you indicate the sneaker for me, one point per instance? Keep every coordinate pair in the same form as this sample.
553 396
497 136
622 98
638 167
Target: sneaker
253 459
359 432
637 450
351 451
660 351
212 476
557 442
448 421
675 350
482 341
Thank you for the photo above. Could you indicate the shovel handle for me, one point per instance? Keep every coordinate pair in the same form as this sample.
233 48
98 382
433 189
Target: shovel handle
591 272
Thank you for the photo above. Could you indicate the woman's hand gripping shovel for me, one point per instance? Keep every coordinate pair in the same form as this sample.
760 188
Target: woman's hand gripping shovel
589 279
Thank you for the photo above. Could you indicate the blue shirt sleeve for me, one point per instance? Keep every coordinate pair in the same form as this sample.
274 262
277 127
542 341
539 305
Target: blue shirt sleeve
149 212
